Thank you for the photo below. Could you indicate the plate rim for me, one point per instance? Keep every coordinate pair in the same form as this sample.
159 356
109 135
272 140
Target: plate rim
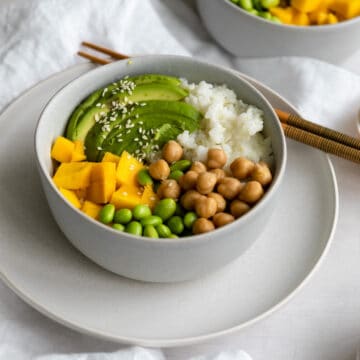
184 341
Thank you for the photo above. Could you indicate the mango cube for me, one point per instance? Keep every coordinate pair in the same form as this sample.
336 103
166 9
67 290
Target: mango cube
78 153
149 197
110 157
346 8
102 182
91 209
73 175
70 195
126 196
62 150
306 5
127 169
285 15
300 18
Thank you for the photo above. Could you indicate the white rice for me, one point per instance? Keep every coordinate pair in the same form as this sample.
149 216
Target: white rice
228 123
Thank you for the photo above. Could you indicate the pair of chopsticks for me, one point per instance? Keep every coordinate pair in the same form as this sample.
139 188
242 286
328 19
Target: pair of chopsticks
295 127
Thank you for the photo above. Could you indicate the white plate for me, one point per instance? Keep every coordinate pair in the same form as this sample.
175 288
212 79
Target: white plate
39 264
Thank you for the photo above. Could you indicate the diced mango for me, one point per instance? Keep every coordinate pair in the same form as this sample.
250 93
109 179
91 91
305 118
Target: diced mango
91 209
346 8
81 194
301 19
62 149
332 19
73 175
110 157
285 15
305 5
149 197
126 196
127 169
102 182
70 195
78 153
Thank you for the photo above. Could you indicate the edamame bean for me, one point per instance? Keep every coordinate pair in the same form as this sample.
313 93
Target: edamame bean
179 210
150 231
173 236
181 165
165 208
107 213
123 216
189 219
119 227
144 178
267 4
151 220
176 225
176 175
265 15
141 211
134 228
246 4
163 231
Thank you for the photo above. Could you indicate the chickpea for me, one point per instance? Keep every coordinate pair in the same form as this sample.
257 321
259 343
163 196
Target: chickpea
216 158
202 225
172 151
261 173
188 180
198 166
221 202
251 192
169 189
220 173
190 198
222 218
206 207
241 168
159 170
206 182
239 208
229 187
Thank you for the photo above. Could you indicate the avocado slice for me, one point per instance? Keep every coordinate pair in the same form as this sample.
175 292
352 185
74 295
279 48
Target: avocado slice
117 123
123 86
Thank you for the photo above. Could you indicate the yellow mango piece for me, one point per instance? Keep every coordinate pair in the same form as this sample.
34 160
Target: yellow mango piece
332 19
102 182
149 197
81 194
78 153
285 15
73 175
301 19
306 5
91 209
346 8
110 157
126 196
127 169
62 149
70 195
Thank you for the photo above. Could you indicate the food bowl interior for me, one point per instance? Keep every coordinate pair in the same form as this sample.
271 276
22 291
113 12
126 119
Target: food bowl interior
61 106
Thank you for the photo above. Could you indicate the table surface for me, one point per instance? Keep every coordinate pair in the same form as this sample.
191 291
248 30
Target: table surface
321 322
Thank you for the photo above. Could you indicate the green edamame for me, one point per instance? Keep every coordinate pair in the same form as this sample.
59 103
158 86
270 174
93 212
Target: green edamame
246 4
176 175
163 231
151 220
180 211
165 208
150 231
182 165
119 227
123 216
173 236
134 228
189 219
141 211
107 213
267 4
176 225
144 178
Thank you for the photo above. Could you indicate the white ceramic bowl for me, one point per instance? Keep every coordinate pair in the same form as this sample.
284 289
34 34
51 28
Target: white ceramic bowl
156 260
246 35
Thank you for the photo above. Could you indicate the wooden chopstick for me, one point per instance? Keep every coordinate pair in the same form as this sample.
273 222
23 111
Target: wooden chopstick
295 127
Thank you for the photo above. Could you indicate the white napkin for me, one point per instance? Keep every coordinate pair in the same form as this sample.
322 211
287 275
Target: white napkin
39 38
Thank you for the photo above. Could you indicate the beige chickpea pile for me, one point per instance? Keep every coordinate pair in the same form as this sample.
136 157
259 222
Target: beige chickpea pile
216 196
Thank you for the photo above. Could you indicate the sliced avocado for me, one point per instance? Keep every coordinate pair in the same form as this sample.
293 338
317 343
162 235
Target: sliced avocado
144 92
110 91
117 120
156 130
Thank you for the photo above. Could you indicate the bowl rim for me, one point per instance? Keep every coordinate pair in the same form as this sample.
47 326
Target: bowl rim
184 240
293 28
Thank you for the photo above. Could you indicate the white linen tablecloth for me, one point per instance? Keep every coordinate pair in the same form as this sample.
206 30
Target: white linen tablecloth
40 37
